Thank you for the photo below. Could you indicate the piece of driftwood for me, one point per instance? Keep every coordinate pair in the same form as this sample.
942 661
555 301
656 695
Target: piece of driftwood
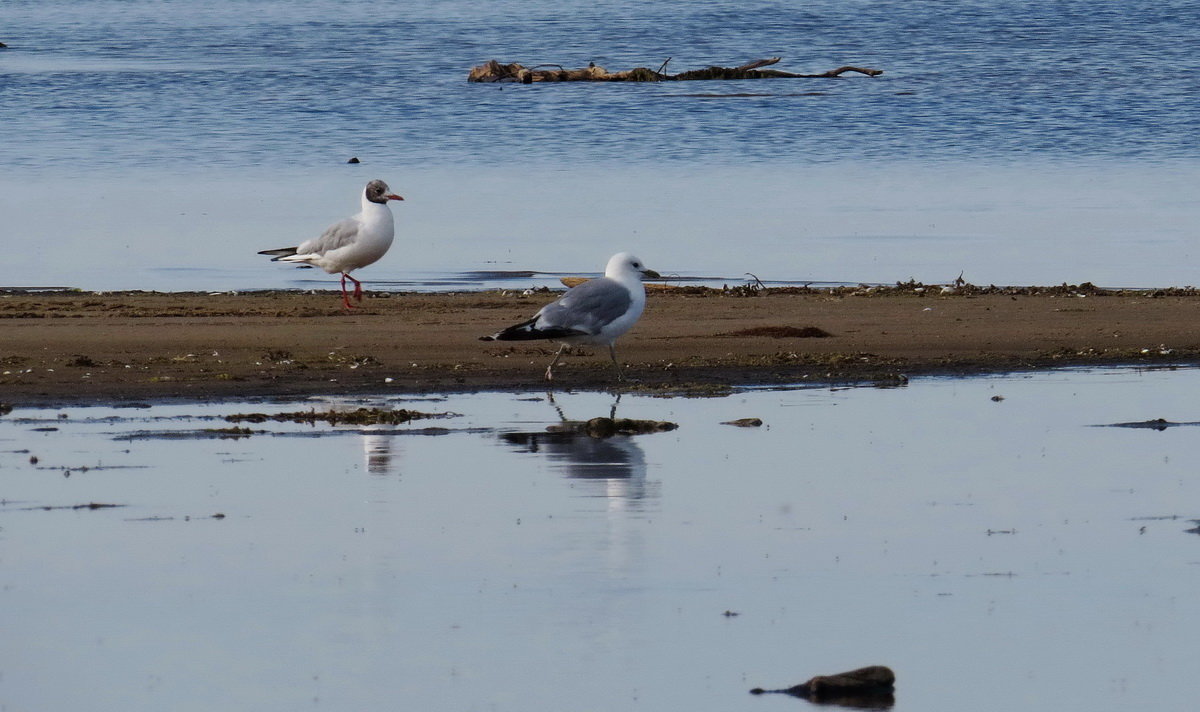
866 688
650 286
494 71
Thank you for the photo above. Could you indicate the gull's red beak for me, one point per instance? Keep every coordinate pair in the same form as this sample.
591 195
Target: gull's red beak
394 197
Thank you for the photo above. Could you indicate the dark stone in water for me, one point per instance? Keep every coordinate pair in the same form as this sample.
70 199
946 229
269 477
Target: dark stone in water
608 427
865 688
354 160
744 422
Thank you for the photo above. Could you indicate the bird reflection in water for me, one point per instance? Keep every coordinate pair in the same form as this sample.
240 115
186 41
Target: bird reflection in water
377 449
613 466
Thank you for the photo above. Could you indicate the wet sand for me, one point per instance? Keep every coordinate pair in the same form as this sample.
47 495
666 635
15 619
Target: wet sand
117 347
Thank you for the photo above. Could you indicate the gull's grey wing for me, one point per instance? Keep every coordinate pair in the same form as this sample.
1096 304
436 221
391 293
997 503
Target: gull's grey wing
587 307
336 235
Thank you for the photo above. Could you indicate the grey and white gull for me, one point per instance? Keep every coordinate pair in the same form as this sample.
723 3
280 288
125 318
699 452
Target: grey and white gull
595 312
349 244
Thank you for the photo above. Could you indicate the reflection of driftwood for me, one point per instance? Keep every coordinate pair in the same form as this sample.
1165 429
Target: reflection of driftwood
493 71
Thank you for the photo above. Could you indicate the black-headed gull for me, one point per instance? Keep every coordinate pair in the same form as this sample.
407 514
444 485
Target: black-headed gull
352 243
594 312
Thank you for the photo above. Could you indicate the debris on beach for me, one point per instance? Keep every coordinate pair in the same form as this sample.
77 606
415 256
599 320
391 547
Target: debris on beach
83 361
494 71
782 332
870 687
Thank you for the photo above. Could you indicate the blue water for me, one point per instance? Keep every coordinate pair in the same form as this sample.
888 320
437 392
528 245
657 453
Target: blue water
234 83
160 144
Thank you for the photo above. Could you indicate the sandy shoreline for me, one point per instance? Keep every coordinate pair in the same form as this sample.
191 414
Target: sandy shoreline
62 348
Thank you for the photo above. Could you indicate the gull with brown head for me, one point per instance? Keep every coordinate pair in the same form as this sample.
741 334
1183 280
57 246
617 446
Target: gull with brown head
348 244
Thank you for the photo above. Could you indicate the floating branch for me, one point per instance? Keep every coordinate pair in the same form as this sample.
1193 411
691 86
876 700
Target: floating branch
493 71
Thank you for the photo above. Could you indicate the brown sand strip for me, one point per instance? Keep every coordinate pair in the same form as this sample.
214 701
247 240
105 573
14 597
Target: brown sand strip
86 347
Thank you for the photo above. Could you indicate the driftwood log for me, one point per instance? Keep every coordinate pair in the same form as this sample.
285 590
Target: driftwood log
494 71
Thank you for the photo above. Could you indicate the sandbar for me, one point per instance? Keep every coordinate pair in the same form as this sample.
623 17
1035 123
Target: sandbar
93 348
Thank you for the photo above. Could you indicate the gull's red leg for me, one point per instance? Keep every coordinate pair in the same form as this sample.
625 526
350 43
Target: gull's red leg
345 296
357 287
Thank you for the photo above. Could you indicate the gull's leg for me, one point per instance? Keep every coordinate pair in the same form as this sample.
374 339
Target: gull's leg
357 287
612 353
550 398
557 355
345 296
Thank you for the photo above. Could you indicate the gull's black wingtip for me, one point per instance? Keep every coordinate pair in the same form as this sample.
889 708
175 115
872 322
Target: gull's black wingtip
279 253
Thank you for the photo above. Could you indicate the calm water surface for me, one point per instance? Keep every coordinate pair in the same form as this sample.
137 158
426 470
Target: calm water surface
159 144
236 82
998 554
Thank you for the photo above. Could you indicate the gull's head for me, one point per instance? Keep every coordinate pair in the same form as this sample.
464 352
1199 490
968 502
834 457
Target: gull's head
378 192
624 264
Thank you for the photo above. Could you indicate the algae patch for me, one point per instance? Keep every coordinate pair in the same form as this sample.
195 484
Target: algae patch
608 427
359 416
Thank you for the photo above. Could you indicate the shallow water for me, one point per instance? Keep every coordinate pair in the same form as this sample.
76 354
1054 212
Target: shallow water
998 554
1115 225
